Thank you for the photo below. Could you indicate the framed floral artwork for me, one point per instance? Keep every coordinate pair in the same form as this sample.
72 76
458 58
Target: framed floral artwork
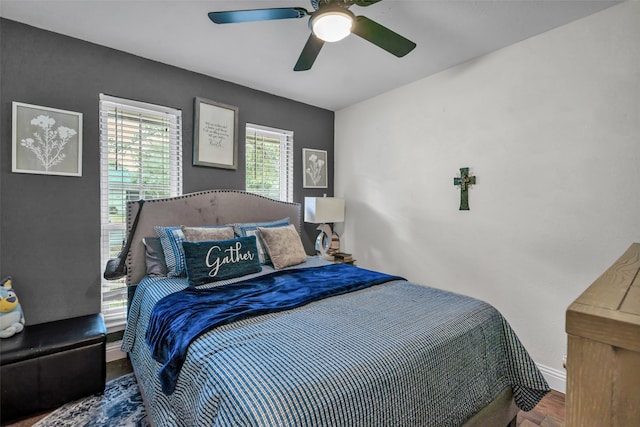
315 168
46 140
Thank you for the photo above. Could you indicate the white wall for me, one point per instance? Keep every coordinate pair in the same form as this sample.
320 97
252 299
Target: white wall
551 128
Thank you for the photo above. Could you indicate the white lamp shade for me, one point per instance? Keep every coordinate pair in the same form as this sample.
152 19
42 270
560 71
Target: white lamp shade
320 210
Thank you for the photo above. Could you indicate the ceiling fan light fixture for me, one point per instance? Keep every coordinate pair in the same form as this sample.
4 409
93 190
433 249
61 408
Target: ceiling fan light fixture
332 25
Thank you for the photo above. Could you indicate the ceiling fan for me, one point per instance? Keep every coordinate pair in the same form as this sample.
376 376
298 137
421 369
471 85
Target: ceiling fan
330 21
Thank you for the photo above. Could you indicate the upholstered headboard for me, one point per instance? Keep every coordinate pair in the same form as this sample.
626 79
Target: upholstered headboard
213 207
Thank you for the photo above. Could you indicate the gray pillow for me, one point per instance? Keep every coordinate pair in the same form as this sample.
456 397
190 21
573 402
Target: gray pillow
283 245
206 234
245 229
154 257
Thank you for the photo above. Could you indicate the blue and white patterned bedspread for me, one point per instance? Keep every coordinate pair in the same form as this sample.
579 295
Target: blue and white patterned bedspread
396 354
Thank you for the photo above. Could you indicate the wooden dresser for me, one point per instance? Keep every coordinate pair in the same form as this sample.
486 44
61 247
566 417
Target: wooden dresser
603 357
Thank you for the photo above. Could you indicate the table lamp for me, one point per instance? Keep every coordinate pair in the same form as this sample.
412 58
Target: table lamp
323 210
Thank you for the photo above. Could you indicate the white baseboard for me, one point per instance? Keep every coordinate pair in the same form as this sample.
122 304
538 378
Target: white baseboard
114 352
556 378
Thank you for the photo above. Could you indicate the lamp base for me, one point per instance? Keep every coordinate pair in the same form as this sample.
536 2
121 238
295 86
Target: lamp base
328 242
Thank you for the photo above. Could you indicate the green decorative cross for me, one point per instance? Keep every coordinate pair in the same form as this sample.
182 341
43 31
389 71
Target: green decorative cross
464 181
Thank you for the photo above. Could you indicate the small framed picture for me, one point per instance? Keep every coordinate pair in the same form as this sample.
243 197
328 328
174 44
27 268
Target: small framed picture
46 140
215 135
315 168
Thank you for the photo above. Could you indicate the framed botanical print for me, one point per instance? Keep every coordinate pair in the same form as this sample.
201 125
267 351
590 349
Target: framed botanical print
46 140
315 168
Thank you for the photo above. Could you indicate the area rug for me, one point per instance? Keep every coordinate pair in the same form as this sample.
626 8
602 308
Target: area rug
120 405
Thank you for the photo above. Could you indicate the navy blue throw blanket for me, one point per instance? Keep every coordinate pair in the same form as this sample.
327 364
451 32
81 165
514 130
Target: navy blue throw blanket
178 319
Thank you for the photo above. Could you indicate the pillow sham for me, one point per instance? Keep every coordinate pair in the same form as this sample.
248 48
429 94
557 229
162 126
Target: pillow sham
283 245
212 261
171 239
251 229
207 234
154 257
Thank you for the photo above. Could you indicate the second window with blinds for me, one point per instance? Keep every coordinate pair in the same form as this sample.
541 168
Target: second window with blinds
269 162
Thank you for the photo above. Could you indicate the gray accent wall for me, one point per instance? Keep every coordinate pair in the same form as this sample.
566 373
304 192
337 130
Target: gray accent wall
50 225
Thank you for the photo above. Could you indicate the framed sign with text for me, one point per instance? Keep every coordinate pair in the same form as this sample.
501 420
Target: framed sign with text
215 135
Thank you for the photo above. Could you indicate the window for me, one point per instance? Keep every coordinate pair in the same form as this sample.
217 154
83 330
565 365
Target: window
140 157
269 162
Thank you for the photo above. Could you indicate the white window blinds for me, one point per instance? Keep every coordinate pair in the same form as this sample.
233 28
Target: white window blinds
269 162
141 157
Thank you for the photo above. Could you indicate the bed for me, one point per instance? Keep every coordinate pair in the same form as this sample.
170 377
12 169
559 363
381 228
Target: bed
388 354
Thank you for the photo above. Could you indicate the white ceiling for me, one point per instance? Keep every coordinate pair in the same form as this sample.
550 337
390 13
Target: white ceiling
261 55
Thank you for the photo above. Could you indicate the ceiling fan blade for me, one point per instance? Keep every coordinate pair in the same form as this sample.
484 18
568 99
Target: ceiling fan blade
365 3
382 37
235 16
309 53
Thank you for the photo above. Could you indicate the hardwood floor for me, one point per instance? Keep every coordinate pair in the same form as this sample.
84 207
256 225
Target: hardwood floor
118 368
548 413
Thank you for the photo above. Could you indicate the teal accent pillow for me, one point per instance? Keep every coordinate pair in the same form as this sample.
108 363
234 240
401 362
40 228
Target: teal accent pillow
171 239
212 261
251 229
